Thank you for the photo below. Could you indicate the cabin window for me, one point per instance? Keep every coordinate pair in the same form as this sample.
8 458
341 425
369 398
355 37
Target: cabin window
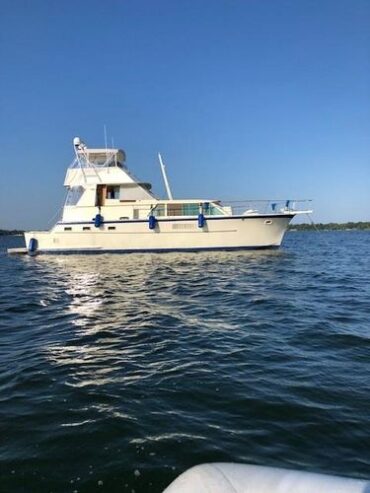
193 209
112 192
190 209
74 195
67 229
86 228
174 210
182 209
212 210
159 210
111 227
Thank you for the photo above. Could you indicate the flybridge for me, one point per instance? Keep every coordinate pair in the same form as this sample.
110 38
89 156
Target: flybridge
101 173
96 157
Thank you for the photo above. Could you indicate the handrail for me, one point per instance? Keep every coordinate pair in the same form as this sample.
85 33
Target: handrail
267 206
232 207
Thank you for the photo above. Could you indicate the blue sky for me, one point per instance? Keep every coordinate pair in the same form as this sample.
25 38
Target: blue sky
244 98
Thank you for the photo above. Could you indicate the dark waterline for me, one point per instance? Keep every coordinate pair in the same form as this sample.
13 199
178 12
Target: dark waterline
127 370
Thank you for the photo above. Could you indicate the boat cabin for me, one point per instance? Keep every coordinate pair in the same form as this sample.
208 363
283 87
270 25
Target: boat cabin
99 179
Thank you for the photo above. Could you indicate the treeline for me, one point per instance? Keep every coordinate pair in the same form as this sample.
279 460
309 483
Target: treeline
363 225
4 232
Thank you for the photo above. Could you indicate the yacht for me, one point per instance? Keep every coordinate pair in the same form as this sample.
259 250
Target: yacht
107 209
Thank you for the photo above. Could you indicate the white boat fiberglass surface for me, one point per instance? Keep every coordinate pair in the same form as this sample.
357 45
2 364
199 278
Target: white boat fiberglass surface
107 209
244 478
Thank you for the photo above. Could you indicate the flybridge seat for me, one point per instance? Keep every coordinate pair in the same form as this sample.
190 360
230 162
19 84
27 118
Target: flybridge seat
243 478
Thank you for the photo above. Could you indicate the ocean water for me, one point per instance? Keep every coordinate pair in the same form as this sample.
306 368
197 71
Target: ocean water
118 372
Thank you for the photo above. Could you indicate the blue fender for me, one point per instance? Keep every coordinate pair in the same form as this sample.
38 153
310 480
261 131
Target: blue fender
98 220
152 221
201 220
32 246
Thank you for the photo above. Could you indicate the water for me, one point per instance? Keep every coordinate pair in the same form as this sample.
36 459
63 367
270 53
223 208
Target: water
119 372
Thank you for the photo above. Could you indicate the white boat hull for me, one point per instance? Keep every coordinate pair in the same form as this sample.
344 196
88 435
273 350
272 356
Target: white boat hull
218 233
229 477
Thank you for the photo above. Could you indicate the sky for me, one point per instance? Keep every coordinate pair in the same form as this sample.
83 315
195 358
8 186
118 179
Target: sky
245 99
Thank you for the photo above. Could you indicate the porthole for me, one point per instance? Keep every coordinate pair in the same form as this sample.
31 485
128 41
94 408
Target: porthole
268 221
86 228
111 227
67 229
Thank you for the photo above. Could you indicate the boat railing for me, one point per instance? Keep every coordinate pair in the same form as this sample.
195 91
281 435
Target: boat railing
136 210
280 206
84 162
236 208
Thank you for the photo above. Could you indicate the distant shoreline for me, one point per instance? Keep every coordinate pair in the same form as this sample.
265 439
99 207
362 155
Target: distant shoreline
350 226
11 232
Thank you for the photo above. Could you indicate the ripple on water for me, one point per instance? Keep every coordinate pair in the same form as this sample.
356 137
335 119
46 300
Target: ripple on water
118 372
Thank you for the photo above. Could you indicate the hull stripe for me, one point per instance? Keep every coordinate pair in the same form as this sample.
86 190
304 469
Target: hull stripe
156 250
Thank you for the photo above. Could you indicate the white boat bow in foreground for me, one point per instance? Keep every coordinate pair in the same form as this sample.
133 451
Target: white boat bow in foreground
244 478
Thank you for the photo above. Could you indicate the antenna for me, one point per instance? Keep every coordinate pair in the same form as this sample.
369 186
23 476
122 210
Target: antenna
105 136
164 174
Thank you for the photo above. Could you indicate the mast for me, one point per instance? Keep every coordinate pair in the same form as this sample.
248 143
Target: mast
165 179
